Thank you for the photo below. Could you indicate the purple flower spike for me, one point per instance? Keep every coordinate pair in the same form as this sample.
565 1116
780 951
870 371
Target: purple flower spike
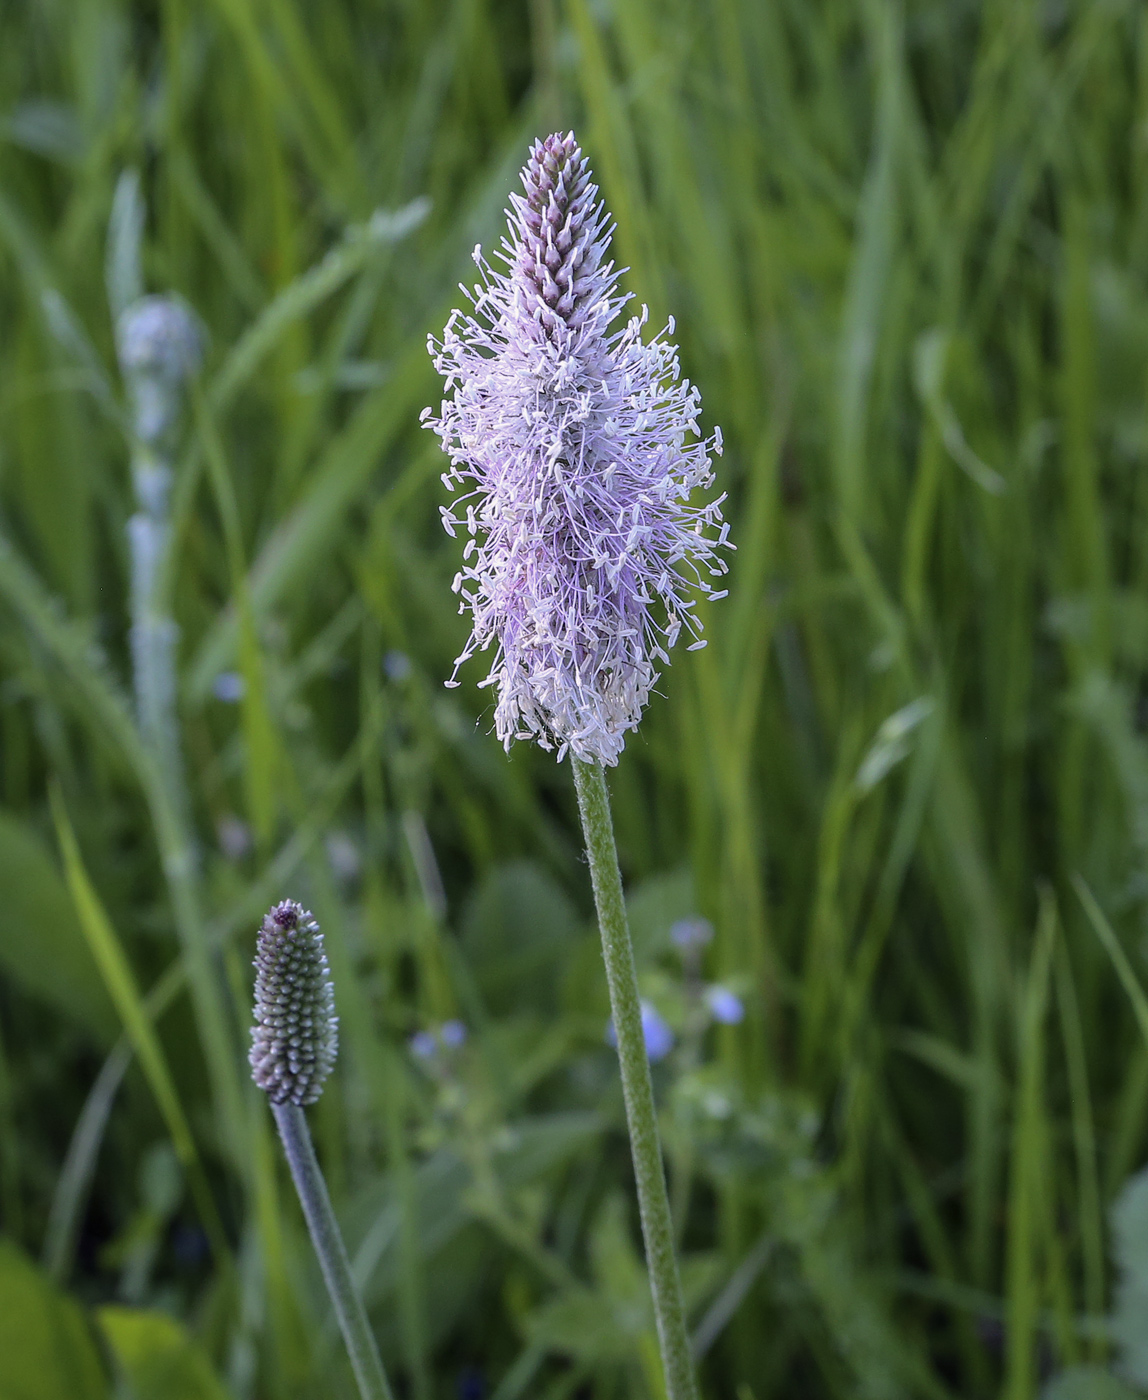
577 451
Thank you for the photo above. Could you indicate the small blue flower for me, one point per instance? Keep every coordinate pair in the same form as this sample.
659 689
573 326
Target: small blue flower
453 1035
397 665
655 1031
658 1036
691 934
423 1045
724 1005
228 687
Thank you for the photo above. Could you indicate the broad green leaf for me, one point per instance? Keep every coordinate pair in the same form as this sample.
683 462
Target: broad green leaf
157 1357
515 930
580 1324
654 906
47 1351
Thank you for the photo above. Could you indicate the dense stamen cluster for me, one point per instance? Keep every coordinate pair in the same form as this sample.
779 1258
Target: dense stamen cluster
578 451
295 1036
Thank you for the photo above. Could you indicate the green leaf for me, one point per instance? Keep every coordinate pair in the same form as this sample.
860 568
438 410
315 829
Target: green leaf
123 264
515 931
121 983
1130 1252
46 1348
157 1357
580 1324
42 947
654 906
1086 1383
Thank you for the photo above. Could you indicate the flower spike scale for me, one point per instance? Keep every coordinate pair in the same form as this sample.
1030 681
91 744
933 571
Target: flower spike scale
576 450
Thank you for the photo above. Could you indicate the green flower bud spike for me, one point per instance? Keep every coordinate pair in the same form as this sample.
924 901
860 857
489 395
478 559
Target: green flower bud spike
296 1034
294 1043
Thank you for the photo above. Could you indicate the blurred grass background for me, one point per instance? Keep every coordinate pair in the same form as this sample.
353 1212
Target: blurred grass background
906 246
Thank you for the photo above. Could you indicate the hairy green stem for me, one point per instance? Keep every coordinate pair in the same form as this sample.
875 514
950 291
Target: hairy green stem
154 636
328 1242
637 1087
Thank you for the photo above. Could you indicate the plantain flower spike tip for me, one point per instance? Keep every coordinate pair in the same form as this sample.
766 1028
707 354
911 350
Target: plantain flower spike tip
296 1034
577 451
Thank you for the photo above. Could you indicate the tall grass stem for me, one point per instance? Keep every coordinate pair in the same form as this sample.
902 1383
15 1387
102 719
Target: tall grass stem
637 1086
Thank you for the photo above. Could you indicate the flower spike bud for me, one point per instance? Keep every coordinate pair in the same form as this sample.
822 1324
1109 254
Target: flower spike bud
296 1034
577 451
159 341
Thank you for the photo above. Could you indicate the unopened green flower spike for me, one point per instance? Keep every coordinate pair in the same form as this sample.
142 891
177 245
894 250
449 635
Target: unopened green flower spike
296 1034
293 1046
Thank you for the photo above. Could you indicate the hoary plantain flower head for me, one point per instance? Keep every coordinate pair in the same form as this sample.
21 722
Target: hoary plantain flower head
576 454
296 1034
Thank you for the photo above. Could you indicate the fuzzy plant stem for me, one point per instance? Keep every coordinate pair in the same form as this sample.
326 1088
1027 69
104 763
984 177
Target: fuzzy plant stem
159 344
159 348
332 1253
153 633
637 1087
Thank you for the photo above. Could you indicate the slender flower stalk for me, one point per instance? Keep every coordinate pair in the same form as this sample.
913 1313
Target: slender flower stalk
637 1087
159 343
159 346
294 1044
577 451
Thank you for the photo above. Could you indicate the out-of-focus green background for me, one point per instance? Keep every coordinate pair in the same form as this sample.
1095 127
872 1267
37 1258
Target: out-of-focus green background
906 246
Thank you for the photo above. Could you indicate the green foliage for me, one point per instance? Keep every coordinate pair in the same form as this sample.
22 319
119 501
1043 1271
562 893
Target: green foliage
47 1346
906 246
44 950
1086 1383
1130 1250
157 1358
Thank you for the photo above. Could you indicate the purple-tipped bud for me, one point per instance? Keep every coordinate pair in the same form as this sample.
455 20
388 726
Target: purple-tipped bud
577 450
296 1034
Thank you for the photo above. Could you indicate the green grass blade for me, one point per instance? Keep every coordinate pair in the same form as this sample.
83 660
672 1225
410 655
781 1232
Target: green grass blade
121 984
